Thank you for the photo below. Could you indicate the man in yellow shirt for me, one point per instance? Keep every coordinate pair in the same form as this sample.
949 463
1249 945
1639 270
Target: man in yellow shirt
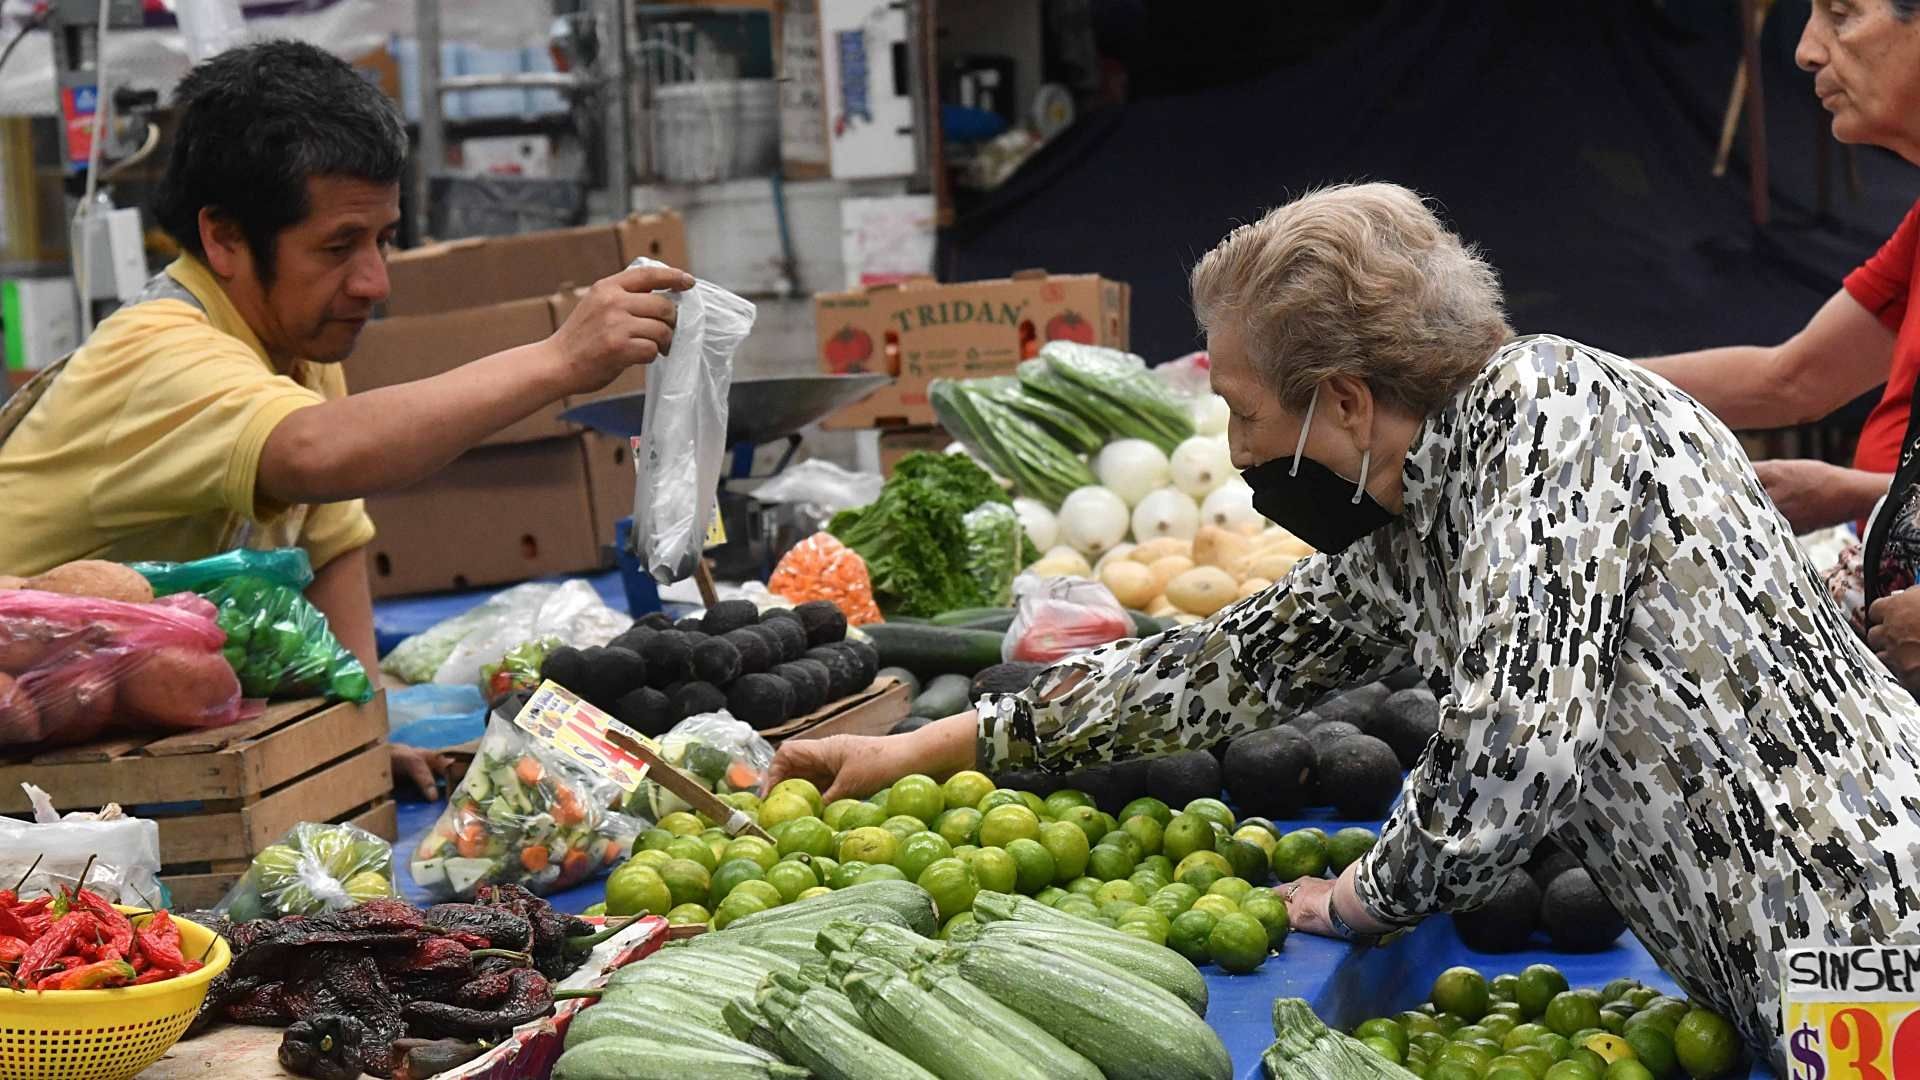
212 413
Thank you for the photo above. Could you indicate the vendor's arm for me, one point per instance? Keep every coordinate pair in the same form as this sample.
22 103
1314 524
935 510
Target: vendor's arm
389 438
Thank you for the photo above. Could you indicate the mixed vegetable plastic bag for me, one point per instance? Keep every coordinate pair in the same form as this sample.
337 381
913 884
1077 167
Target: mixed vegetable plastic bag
685 428
822 568
571 612
723 754
278 643
310 870
527 815
73 667
1057 617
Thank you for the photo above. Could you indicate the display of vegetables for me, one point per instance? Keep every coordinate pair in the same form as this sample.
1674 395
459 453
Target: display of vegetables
77 940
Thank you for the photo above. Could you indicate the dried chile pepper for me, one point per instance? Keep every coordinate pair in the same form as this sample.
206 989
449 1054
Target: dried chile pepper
95 976
529 997
423 1058
117 927
159 943
60 939
482 926
326 1047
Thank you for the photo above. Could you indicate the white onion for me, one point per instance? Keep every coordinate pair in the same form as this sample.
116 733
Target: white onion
1042 528
1131 468
1166 512
1201 464
1093 519
1230 506
1210 415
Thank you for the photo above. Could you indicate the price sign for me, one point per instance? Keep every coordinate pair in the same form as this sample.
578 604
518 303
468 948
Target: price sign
579 731
1852 1013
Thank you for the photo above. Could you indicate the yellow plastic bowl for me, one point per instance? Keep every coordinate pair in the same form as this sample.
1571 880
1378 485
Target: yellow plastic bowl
105 1034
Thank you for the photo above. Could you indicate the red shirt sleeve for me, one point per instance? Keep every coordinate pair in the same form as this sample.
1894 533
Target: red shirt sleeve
1883 283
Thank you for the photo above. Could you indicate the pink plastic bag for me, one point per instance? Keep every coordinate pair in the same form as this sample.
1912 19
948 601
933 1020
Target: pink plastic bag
73 667
1060 616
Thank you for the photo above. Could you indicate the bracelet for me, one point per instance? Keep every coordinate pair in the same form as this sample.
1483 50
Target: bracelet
1341 928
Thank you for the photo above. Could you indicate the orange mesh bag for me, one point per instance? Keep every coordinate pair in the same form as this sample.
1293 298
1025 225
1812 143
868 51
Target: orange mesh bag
822 568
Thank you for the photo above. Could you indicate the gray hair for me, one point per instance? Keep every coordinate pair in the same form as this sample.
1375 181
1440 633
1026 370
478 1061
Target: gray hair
1360 280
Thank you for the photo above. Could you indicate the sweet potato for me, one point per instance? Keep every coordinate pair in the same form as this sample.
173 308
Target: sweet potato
181 688
76 705
95 577
19 720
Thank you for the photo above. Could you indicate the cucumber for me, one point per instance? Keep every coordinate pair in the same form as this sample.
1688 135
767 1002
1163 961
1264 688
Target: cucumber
1145 625
1026 1038
1144 960
940 1039
976 618
660 998
911 680
909 903
626 1058
934 650
943 696
609 1021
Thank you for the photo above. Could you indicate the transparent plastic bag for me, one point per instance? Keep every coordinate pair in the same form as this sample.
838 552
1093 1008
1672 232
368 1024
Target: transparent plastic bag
685 428
75 667
995 541
418 658
810 493
822 568
526 815
725 755
571 612
1056 617
125 852
283 566
312 869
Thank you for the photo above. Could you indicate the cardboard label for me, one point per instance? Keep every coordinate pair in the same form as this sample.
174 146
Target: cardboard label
1852 1013
77 106
716 530
577 730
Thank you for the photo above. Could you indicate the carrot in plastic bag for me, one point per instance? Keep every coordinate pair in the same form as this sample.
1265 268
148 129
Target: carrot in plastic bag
822 568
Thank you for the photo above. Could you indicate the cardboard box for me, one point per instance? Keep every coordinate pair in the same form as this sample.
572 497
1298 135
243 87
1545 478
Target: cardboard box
408 347
610 481
498 514
896 443
487 270
873 711
920 331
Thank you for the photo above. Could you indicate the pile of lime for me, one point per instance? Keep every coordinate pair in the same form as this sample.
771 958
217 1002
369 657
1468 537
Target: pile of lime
1194 880
1531 1025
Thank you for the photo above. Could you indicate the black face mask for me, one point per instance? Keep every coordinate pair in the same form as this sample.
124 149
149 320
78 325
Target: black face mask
1312 501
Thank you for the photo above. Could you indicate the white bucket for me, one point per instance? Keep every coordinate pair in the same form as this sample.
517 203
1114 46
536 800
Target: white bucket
716 129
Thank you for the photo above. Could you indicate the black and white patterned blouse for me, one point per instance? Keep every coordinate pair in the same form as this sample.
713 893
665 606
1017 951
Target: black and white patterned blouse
1632 657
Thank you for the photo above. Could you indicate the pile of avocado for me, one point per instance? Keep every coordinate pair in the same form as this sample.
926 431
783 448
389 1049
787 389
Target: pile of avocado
1553 893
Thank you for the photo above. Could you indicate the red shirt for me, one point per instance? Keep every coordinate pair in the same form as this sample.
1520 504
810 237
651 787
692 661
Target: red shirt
1889 286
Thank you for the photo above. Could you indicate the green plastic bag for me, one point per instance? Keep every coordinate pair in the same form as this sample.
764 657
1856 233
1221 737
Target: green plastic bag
277 642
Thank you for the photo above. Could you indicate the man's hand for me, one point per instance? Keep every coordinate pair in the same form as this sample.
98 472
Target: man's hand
423 768
621 322
1814 495
1893 633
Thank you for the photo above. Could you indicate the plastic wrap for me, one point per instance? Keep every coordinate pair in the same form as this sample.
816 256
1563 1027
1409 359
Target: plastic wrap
995 545
685 426
1056 617
807 495
822 568
725 755
73 667
125 852
312 869
572 613
518 669
527 815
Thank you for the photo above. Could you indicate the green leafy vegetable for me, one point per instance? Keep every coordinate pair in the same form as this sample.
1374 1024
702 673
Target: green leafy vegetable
995 544
1009 440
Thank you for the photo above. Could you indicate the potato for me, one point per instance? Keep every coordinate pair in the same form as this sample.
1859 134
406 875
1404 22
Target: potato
77 708
1215 546
97 578
1154 550
1166 569
1131 584
1271 565
181 688
1248 528
1061 561
8 581
1122 550
1161 607
19 720
1253 585
1203 590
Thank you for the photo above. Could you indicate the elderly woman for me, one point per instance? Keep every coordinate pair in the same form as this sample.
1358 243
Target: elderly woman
1582 564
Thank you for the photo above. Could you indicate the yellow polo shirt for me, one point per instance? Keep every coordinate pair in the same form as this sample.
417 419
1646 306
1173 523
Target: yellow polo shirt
148 444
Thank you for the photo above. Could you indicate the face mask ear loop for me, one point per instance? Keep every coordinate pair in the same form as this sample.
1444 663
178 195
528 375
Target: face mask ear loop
1305 426
1366 461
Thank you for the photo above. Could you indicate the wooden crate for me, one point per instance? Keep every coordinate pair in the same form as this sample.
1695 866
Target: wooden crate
220 796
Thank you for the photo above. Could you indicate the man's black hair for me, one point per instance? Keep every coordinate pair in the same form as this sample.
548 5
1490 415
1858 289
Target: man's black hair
255 123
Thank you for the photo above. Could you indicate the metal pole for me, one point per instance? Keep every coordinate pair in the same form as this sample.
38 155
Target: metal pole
613 82
1752 19
430 153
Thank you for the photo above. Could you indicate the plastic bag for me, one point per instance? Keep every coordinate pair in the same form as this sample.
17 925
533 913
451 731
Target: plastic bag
283 566
417 658
571 612
524 814
312 869
1059 616
518 669
1190 376
432 716
725 755
994 546
822 568
685 426
125 852
810 493
73 667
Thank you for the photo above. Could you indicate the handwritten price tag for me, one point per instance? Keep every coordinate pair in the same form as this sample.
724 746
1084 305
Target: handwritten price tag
578 730
1852 1013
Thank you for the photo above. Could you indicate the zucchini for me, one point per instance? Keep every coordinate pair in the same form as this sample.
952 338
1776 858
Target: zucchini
1145 625
1306 1049
908 902
1131 1030
1025 1037
609 1021
1144 960
714 985
920 1026
793 943
749 1025
934 650
845 943
745 956
626 1058
833 1047
943 696
697 1008
812 919
828 997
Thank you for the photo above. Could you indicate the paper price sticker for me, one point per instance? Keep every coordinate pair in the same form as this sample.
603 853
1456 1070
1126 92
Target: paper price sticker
716 530
1852 1013
579 731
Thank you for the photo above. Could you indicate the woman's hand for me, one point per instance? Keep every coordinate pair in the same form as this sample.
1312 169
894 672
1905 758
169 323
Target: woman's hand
855 766
1307 901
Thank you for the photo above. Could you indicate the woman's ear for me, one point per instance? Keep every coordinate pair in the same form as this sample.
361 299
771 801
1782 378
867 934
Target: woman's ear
1347 403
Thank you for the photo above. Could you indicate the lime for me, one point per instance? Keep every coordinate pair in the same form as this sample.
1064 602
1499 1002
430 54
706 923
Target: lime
961 825
1051 895
1233 888
1555 1044
688 915
1461 991
1537 985
903 826
869 844
716 841
1006 823
681 823
1617 988
965 789
1568 1013
960 921
1628 1069
1663 1013
1297 855
1202 868
729 875
847 872
808 836
1653 1048
1080 907
1183 894
1148 881
751 847
862 815
1249 861
1426 1041
654 839
1120 890
879 799
1109 862
1613 1020
634 889
1449 1023
1111 910
1186 834
1383 1047
736 907
1145 831
1474 1033
1069 848
995 870
1466 1054
1149 807
802 788
1216 904
1190 935
1382 1028
921 850
763 890
1085 886
1088 820
1453 1070
1572 1070
1538 1058
1416 1022
1035 803
1706 1045
657 859
917 796
1610 1047
790 879
1154 930
1213 810
1523 1035
1507 1067
879 872
823 868
836 812
784 806
966 852
1119 838
951 884
1507 1009
1503 986
1498 1024
1159 864
1034 865
1346 846
1064 798
999 797
1259 836
690 883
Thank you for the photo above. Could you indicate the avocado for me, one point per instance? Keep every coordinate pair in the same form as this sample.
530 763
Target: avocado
729 615
1549 862
805 697
1269 773
1407 678
868 656
910 723
823 622
756 655
1330 733
843 669
1305 721
715 661
600 682
618 670
1178 779
763 701
1102 782
822 678
669 658
635 638
1009 678
1578 915
792 638
695 698
690 624
647 711
1130 781
1360 775
1406 721
1037 781
1356 706
903 675
567 667
657 620
778 613
1506 922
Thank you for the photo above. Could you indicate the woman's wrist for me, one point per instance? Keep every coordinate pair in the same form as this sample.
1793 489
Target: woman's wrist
947 745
